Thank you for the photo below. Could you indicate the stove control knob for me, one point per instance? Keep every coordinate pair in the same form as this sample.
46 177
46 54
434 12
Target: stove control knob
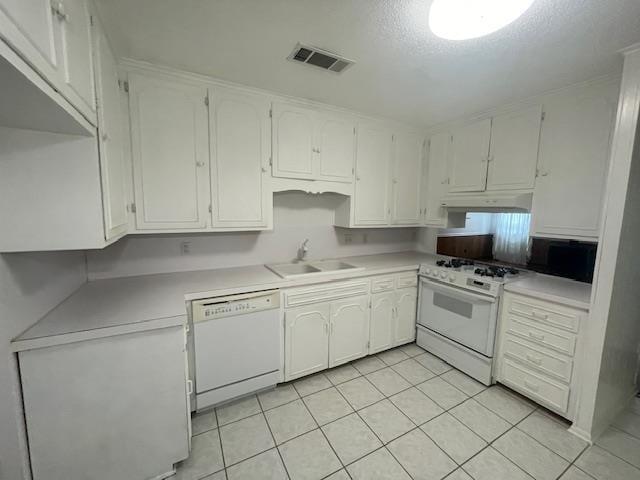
427 271
435 273
443 274
452 278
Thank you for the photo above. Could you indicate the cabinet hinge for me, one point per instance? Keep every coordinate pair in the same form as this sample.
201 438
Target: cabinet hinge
354 130
206 100
91 20
544 114
124 85
271 113
271 161
368 345
370 303
133 208
210 208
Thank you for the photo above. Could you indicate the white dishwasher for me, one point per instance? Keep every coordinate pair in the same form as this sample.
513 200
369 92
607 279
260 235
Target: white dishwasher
237 346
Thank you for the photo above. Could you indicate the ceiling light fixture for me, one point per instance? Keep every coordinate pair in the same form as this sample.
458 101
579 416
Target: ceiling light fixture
464 19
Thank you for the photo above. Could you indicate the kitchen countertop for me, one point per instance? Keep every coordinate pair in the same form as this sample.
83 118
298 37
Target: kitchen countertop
555 289
103 308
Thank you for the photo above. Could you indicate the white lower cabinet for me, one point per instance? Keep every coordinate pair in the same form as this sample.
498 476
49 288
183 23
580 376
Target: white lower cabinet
337 322
122 397
537 344
306 340
381 330
406 300
348 330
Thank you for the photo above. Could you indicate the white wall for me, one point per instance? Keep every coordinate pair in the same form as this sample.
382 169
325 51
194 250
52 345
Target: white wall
296 216
609 364
30 285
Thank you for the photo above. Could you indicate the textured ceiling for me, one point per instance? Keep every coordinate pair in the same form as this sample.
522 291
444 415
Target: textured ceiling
403 71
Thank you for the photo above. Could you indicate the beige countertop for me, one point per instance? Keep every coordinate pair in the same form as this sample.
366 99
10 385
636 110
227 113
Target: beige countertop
115 306
555 289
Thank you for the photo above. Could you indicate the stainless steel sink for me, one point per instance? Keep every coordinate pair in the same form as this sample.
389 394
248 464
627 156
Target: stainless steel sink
299 269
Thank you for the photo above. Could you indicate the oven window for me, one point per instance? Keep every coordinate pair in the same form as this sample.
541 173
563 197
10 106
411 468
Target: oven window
453 305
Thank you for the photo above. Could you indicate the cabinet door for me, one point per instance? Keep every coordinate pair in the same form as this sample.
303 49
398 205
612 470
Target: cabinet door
240 148
406 177
170 147
574 153
113 167
76 53
373 165
382 333
335 149
405 318
32 26
437 179
470 152
514 150
349 327
306 339
293 141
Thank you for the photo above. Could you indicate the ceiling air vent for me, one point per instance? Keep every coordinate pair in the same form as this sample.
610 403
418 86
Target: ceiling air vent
320 58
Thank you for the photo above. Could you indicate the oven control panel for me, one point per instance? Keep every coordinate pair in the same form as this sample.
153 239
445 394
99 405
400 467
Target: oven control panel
466 280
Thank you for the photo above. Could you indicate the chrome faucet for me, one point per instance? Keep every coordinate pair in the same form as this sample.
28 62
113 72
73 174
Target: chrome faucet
302 251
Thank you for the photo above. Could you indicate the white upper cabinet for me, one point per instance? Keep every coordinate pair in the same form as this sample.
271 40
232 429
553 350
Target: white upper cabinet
312 145
335 148
373 170
574 153
29 23
54 38
514 150
76 55
470 152
170 148
437 179
293 141
114 173
349 327
406 177
240 148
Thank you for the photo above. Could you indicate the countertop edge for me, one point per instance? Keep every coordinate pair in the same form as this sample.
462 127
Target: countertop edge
531 292
97 333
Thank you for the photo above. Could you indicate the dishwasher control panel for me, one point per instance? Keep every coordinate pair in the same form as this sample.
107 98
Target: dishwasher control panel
211 308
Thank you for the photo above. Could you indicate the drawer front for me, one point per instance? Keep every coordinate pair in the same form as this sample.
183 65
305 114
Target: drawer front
325 292
555 339
535 386
382 284
407 281
545 312
538 358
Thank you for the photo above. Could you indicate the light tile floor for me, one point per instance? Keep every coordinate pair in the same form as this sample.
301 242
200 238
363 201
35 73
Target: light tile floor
403 414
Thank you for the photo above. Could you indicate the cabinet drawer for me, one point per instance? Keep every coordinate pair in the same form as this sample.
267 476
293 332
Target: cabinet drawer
407 281
325 292
538 358
382 284
535 386
546 312
544 335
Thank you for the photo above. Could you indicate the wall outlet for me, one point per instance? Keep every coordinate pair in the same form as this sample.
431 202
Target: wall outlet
185 248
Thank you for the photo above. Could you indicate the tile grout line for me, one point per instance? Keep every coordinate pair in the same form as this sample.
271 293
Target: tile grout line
284 465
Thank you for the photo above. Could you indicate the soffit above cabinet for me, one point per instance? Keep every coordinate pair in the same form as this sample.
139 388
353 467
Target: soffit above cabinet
407 73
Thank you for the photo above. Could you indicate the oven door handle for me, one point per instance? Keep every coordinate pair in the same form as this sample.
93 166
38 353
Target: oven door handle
456 292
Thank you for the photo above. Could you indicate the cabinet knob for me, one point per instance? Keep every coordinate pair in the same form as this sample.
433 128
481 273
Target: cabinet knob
264 169
105 137
199 164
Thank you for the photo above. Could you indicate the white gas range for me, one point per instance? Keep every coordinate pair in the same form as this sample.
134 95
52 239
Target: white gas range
458 309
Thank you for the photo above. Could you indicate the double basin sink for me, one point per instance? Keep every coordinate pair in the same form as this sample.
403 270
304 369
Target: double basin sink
299 269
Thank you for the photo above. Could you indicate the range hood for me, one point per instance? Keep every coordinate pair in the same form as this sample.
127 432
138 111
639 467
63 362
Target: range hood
488 202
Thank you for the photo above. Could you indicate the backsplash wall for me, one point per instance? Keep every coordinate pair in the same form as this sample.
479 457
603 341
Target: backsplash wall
297 216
